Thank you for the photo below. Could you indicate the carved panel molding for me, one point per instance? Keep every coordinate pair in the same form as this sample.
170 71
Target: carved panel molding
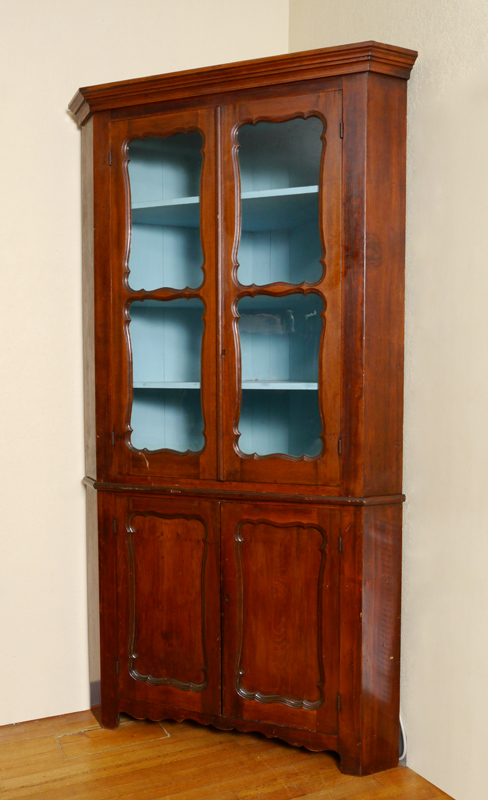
163 680
243 623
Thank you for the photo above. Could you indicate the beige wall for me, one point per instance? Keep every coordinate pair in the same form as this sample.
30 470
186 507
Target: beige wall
445 610
48 50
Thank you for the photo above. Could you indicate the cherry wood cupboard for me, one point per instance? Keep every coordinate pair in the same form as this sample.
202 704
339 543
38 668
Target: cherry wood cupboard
243 235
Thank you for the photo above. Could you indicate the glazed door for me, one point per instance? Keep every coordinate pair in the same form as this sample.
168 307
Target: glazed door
281 615
164 295
281 352
168 597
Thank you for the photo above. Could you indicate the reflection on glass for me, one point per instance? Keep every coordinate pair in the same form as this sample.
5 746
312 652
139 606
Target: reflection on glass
166 341
279 165
164 175
280 343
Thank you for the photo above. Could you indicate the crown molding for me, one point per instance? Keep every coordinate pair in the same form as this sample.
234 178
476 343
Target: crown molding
309 65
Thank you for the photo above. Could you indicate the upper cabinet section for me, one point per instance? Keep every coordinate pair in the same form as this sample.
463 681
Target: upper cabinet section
244 232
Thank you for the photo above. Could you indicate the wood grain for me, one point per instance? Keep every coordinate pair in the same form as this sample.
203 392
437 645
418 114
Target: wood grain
71 756
362 57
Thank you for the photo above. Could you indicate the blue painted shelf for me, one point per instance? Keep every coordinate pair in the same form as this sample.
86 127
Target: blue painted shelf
288 386
272 209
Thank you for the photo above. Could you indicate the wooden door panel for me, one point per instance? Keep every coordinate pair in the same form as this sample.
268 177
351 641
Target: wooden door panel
169 603
281 262
164 320
281 631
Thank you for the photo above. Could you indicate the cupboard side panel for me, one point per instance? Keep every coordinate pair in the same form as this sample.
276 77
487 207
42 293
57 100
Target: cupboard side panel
354 110
350 621
385 285
108 610
102 294
88 296
381 636
93 594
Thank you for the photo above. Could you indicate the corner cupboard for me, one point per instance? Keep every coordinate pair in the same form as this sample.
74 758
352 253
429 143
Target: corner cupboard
244 273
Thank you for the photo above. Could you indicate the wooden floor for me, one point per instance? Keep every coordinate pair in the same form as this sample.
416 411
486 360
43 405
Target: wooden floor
71 756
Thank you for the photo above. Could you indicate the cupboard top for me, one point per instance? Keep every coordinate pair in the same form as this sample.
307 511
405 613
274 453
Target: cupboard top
308 65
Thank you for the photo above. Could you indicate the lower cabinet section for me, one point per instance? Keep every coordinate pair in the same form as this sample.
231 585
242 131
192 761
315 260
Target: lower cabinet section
252 616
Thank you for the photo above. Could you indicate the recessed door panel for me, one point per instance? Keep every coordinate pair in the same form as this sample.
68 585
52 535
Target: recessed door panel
281 590
169 613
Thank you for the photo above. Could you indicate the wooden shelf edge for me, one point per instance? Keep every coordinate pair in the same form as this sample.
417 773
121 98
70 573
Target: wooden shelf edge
243 494
308 65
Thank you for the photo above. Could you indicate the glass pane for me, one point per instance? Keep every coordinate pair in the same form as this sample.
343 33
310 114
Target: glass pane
164 175
280 343
279 166
166 341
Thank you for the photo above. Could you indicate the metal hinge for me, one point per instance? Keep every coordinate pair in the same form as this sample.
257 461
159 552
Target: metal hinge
340 544
110 158
341 130
339 447
115 526
117 667
338 702
113 438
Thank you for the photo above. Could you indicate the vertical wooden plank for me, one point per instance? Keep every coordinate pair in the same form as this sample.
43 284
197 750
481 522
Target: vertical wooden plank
93 594
88 295
103 294
382 547
385 285
350 615
108 609
354 116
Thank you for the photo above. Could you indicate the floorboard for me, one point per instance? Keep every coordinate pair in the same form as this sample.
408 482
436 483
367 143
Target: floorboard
71 756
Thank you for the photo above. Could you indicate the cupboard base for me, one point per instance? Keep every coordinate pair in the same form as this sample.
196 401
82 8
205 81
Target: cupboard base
350 762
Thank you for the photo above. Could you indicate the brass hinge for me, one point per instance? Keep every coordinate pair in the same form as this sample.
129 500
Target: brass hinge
117 667
340 544
113 438
110 158
339 447
338 702
115 526
341 130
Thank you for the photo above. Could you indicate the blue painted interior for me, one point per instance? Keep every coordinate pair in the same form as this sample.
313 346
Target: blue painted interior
164 175
166 341
279 171
280 342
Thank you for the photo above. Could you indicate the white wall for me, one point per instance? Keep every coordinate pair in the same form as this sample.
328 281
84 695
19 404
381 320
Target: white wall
445 610
48 50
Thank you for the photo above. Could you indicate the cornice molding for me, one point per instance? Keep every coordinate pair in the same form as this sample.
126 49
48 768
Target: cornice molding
309 65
